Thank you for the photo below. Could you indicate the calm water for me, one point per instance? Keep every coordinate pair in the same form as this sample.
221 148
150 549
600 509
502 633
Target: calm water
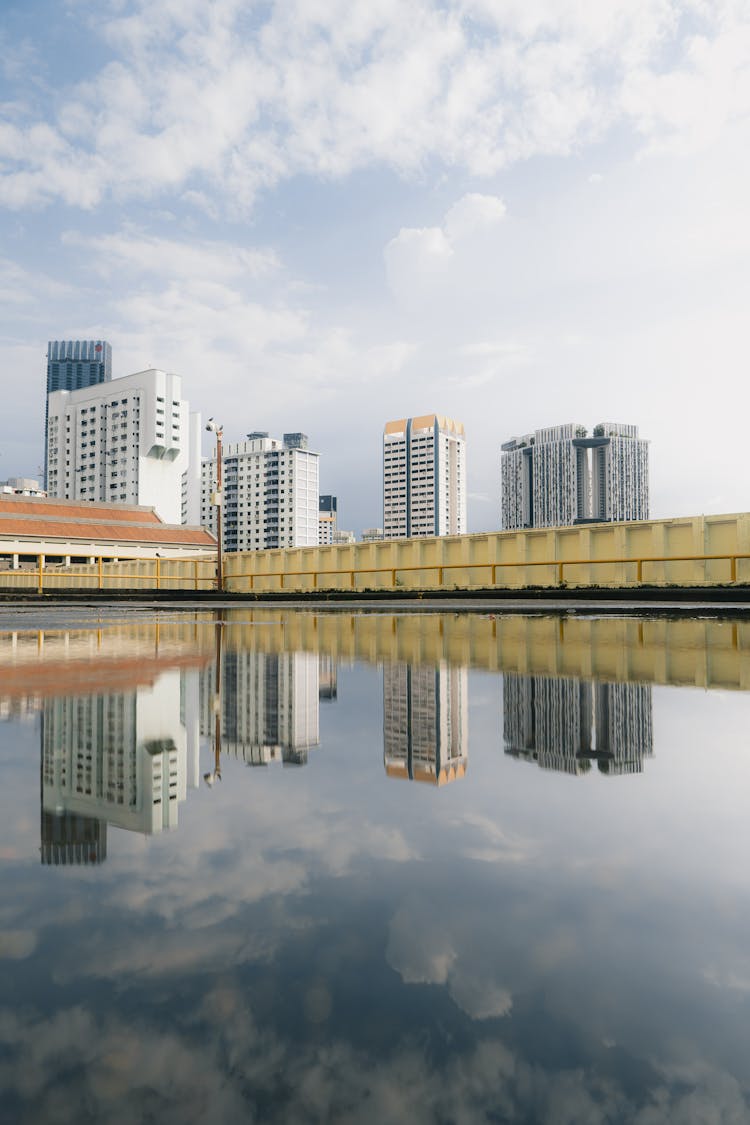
420 868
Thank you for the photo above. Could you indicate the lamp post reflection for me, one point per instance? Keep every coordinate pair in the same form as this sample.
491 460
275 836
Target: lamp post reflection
215 774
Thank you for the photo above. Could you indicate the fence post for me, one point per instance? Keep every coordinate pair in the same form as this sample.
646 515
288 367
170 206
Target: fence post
41 571
158 573
733 568
560 572
101 583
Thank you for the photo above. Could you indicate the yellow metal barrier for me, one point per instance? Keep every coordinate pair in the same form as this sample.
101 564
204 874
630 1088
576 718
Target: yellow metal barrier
699 551
155 576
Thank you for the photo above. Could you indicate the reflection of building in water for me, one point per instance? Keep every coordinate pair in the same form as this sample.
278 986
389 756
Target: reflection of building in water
124 758
68 839
269 706
327 677
565 724
425 722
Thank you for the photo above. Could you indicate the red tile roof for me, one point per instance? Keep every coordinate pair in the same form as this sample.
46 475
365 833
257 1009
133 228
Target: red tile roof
66 509
28 518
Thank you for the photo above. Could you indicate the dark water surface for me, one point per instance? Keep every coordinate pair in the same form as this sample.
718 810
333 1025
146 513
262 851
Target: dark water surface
284 867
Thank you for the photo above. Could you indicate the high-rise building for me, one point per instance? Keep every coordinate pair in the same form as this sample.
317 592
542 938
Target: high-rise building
125 441
559 476
424 477
327 520
566 724
73 364
270 493
425 722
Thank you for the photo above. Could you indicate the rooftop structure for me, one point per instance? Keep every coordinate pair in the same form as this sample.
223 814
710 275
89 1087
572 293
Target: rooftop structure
21 486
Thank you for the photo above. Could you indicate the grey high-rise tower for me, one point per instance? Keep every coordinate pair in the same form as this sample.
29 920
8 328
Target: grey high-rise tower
560 476
72 364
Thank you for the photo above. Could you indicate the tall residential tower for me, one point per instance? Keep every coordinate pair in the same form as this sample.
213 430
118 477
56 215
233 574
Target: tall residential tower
424 477
71 365
559 476
271 493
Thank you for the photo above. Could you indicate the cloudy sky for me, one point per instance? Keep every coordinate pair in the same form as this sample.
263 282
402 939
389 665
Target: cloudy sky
327 213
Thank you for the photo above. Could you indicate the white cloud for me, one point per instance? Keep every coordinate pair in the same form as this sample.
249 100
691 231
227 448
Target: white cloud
417 257
144 254
197 99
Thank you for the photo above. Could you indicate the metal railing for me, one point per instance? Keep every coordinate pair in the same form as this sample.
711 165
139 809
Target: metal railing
158 577
492 568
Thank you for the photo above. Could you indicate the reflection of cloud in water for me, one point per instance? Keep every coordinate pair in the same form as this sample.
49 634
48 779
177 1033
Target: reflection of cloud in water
424 949
242 1072
17 944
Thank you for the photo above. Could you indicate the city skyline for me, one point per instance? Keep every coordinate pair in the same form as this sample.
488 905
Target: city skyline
518 213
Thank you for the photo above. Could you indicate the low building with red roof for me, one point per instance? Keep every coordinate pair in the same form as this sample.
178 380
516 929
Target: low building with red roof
69 532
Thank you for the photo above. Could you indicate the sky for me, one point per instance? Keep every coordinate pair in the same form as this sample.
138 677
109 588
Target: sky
325 214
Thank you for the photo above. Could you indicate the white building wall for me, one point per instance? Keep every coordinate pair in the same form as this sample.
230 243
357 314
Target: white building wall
271 495
424 477
191 477
126 441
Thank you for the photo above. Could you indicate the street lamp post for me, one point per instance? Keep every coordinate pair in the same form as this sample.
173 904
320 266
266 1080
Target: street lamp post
218 498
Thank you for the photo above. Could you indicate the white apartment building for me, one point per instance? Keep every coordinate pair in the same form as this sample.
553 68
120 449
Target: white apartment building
271 493
559 476
125 441
424 477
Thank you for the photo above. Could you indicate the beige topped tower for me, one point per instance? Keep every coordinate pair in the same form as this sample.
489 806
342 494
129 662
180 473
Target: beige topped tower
424 477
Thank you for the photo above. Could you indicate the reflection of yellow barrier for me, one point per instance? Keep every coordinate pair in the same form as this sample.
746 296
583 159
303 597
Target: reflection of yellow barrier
700 551
703 653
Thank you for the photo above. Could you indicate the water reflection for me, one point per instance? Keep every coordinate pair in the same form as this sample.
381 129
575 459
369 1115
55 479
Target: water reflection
269 705
321 944
566 724
425 722
127 758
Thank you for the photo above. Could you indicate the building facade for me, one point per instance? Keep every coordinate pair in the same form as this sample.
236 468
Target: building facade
73 364
327 516
424 477
559 476
125 441
271 493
